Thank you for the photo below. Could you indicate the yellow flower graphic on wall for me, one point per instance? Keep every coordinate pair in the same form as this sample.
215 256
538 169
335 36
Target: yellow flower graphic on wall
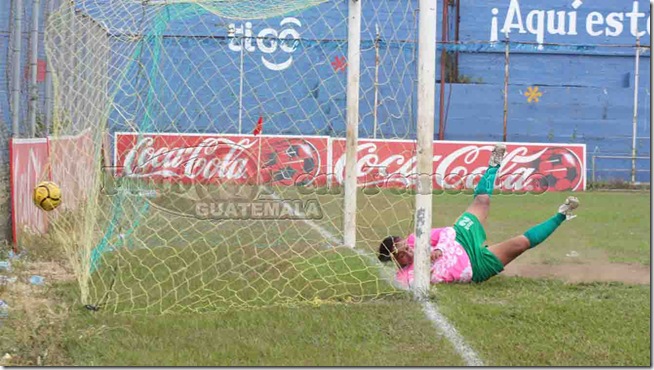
533 94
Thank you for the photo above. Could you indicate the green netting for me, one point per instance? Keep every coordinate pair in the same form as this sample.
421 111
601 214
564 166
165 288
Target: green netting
252 9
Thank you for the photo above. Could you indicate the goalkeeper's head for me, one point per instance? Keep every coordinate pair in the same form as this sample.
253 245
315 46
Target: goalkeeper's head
395 248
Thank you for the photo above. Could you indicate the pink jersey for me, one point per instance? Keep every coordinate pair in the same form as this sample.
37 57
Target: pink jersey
435 235
452 266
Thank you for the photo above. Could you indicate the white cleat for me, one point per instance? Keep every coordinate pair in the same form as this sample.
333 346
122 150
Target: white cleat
571 203
497 155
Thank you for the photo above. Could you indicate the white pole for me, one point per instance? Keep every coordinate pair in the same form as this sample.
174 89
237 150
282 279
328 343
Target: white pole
34 57
352 130
374 111
635 120
15 65
48 77
506 87
240 89
425 152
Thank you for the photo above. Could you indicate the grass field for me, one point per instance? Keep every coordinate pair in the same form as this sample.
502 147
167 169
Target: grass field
507 321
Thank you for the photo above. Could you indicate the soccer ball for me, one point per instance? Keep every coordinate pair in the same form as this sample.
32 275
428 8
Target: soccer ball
558 170
291 162
47 195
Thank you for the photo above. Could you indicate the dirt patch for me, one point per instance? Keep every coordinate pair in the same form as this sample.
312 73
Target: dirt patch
31 333
51 271
24 295
587 272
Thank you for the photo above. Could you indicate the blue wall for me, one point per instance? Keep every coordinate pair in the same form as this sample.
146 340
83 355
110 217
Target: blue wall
6 44
588 86
586 81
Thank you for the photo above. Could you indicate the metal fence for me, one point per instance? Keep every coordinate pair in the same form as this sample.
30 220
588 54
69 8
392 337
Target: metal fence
607 173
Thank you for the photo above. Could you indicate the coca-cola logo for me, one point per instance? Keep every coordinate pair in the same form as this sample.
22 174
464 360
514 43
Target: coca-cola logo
177 178
213 159
395 169
217 177
463 168
524 169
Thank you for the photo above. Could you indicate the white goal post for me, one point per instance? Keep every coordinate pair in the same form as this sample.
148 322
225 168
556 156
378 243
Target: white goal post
426 95
243 142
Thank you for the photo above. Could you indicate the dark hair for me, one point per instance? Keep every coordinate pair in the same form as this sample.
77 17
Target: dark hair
386 248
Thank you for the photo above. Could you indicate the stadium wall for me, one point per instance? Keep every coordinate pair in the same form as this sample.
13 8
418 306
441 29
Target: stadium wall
586 84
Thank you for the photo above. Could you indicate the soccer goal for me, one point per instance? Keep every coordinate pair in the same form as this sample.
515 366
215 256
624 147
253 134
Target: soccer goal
214 137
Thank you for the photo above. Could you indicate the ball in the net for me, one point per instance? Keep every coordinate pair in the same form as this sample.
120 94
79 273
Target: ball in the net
47 195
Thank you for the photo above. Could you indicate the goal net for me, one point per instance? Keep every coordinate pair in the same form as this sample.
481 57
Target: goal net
200 147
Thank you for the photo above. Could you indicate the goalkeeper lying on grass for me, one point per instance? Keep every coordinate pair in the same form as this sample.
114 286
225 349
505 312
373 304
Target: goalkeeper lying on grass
458 252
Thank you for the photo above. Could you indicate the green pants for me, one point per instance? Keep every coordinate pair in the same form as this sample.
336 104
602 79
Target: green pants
471 235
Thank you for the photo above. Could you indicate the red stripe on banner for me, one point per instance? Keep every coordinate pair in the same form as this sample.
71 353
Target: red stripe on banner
28 158
47 145
12 191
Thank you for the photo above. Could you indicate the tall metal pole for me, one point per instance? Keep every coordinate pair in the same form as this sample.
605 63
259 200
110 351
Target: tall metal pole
635 119
425 150
48 77
441 103
506 86
15 66
352 130
240 87
34 58
375 117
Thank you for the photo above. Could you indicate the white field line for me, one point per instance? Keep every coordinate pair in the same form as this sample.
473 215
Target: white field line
431 311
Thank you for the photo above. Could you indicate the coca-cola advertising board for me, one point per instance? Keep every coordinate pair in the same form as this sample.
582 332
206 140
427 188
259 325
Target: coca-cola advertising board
288 160
215 158
459 165
28 161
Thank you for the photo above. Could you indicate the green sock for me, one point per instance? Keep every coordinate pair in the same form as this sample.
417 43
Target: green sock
487 182
539 233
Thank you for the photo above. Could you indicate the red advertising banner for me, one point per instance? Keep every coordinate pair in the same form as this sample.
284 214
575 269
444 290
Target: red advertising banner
72 167
29 166
186 158
294 160
214 158
459 165
276 160
383 163
69 161
288 160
